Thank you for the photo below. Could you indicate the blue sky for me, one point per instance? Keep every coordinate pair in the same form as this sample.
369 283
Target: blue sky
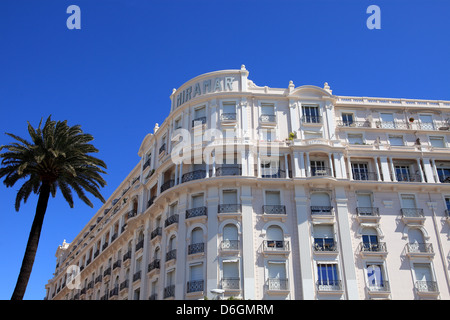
114 76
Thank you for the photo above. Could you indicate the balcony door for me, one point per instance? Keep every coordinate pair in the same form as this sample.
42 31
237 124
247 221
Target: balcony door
277 275
424 278
360 171
387 120
426 122
375 277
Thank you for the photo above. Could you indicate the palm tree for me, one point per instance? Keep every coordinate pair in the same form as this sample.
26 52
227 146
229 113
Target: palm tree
56 158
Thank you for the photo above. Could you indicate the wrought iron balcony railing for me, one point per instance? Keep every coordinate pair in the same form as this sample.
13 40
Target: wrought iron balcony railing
228 116
419 248
275 245
193 175
379 247
156 232
199 121
364 176
231 283
324 245
268 118
367 211
167 185
274 209
426 286
171 220
311 119
321 172
322 210
229 208
329 285
228 171
196 248
196 212
195 286
171 255
169 291
412 212
229 245
155 264
277 284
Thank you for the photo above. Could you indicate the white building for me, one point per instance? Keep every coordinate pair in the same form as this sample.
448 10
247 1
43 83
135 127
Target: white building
308 195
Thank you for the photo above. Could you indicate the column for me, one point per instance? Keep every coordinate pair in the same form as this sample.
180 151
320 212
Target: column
145 261
286 165
391 164
181 265
349 165
385 169
212 241
377 169
420 170
307 165
345 242
428 171
304 244
248 252
331 166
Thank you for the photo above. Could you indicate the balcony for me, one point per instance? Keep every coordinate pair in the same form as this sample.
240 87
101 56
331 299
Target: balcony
353 124
195 286
229 208
419 250
139 245
155 233
379 289
278 285
193 175
426 288
123 285
155 264
373 249
228 171
171 255
131 214
365 176
268 119
137 276
171 220
196 212
412 215
329 286
322 213
199 121
228 117
311 119
169 291
270 173
167 185
367 214
274 211
406 177
325 246
114 292
321 172
196 248
162 148
231 246
231 283
151 201
275 247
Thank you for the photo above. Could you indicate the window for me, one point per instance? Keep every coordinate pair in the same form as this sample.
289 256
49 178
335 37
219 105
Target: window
230 274
426 122
195 283
318 168
408 201
437 142
197 201
360 171
447 203
270 168
311 114
277 279
324 237
320 203
275 238
230 237
177 124
402 173
229 196
173 209
267 112
375 278
355 138
370 240
387 120
424 278
396 140
443 173
228 111
328 277
199 116
197 245
347 119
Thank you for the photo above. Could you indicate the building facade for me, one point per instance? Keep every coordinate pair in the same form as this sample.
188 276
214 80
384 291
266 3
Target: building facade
274 193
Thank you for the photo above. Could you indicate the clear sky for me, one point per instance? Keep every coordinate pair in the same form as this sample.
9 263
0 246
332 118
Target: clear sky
114 76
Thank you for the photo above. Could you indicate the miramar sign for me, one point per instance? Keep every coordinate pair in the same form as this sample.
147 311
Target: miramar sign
218 84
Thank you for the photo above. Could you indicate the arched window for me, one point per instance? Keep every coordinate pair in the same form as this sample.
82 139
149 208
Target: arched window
230 237
197 244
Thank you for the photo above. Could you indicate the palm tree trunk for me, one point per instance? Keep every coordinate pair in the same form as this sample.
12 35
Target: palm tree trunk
32 244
